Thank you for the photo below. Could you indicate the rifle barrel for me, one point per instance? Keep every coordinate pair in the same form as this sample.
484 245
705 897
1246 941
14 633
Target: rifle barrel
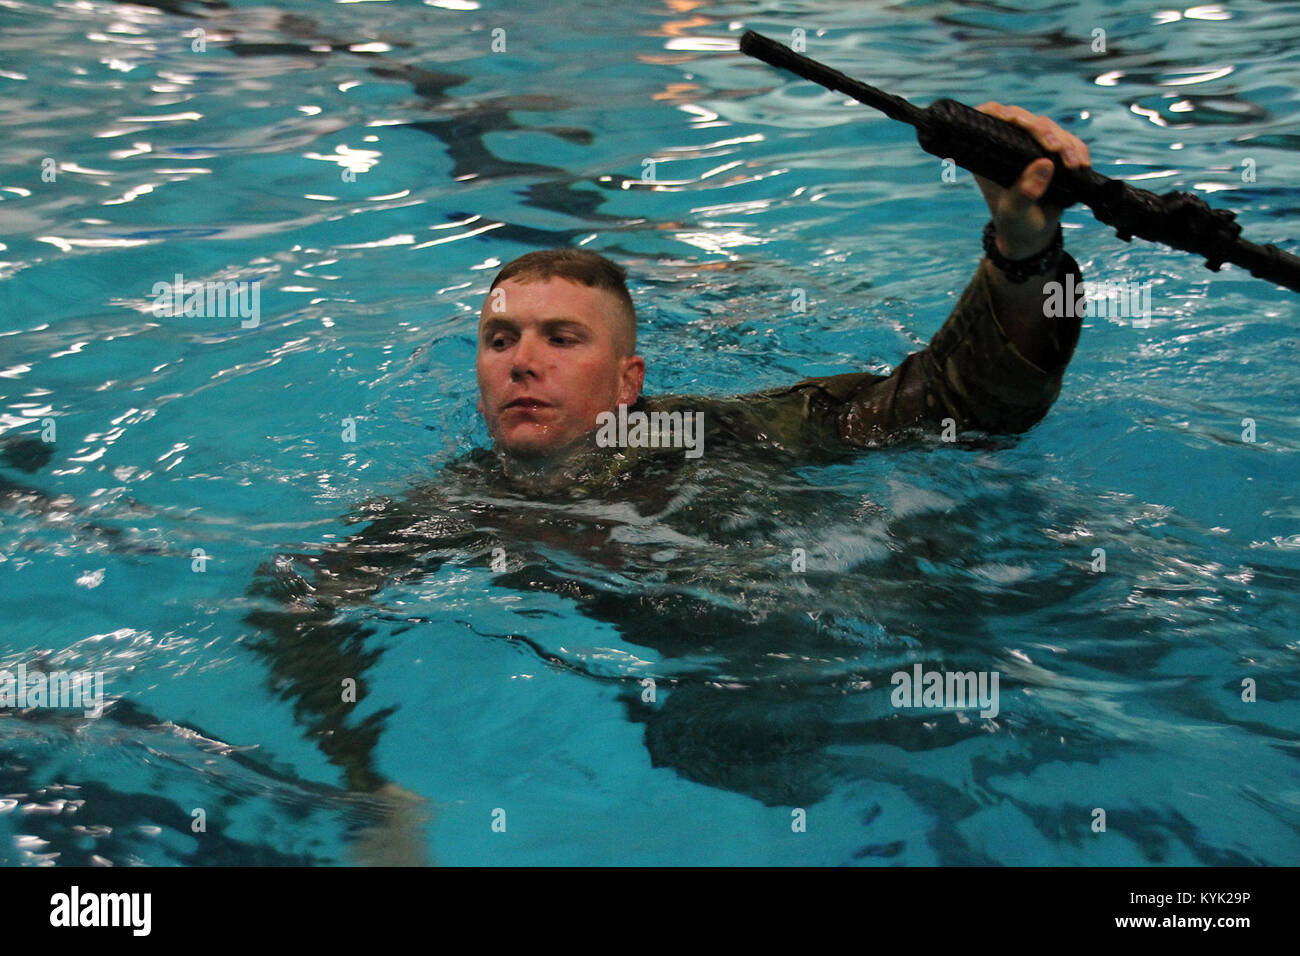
1000 151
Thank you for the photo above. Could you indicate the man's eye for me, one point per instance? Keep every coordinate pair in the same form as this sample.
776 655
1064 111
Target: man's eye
497 342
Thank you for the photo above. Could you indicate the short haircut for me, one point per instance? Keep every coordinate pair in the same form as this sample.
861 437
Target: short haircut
579 265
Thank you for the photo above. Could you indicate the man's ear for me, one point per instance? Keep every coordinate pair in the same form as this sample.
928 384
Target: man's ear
633 379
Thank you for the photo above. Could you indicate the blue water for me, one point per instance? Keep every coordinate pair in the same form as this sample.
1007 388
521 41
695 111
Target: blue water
516 696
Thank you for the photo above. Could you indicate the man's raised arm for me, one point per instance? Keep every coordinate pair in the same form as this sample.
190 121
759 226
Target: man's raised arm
1023 229
996 364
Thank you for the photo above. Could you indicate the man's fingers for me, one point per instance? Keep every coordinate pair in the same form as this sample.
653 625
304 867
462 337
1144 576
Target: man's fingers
1074 152
1028 189
1018 212
1035 180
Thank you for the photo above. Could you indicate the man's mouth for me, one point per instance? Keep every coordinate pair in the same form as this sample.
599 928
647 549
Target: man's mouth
528 403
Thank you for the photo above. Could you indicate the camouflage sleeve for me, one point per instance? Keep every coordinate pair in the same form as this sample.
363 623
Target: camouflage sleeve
970 372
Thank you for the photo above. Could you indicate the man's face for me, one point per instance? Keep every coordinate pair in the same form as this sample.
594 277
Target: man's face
548 364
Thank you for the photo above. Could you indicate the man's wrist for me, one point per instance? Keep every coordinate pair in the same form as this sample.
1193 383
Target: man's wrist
1021 250
1018 260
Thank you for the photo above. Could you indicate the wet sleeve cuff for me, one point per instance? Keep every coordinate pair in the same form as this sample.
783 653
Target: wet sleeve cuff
983 378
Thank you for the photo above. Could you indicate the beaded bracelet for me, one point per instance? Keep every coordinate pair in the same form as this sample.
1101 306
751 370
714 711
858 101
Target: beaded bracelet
1018 270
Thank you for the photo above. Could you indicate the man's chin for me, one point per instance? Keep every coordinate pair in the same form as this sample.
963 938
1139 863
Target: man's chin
529 446
526 451
535 447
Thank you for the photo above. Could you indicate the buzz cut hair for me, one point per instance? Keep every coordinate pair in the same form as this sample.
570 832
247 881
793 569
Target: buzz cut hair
588 268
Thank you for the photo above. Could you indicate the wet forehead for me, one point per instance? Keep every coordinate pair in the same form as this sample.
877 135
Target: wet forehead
548 300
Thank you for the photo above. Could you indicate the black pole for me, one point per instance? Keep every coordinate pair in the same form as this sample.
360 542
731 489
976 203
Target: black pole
999 151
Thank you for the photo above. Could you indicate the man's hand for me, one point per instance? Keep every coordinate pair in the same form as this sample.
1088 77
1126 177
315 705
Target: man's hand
1024 227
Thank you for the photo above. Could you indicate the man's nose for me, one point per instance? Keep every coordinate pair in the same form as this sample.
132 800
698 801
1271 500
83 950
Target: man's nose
524 361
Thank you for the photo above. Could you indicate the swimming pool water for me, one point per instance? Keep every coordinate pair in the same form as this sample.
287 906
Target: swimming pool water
371 165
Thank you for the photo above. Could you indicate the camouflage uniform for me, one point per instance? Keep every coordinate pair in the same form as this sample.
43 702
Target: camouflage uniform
970 372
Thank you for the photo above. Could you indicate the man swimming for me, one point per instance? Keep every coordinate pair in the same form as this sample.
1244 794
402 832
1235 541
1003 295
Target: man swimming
557 355
690 570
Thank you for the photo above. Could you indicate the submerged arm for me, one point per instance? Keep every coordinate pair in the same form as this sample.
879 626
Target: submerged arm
311 646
